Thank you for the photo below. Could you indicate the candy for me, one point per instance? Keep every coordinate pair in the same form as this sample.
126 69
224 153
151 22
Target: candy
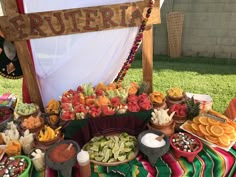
185 142
12 166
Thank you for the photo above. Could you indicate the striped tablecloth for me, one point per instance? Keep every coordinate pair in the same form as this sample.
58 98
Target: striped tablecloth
210 162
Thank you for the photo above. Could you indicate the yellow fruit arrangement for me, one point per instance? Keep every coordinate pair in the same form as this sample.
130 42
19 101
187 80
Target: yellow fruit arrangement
157 97
53 106
48 134
214 131
175 93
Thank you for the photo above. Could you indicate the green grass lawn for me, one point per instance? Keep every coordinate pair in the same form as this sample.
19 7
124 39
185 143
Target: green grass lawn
215 77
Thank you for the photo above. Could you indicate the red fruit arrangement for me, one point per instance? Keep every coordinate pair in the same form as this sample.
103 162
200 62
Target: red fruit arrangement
137 103
179 109
102 100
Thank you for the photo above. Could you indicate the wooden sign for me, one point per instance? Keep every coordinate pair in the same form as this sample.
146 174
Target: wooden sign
72 21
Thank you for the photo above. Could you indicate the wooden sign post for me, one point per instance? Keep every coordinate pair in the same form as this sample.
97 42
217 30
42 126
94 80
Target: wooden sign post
21 27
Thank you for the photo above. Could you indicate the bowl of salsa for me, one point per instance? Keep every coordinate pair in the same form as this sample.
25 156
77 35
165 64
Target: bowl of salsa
62 156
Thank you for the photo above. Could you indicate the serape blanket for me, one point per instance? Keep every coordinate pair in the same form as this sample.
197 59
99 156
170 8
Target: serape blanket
210 162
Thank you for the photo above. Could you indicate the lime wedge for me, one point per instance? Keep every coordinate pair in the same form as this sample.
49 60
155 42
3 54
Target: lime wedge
127 149
131 155
121 158
98 158
111 160
107 156
94 148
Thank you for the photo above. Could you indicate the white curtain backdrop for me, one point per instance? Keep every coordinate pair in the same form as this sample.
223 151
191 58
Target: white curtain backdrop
65 62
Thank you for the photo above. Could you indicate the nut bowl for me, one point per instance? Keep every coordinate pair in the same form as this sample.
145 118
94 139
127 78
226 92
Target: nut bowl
158 149
185 145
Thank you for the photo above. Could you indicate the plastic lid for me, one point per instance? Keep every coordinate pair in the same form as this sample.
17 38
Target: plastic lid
82 156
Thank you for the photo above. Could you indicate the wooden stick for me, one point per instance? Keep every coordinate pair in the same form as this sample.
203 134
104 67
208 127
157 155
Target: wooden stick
69 146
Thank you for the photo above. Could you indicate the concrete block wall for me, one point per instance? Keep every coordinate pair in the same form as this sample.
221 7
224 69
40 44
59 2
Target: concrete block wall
209 28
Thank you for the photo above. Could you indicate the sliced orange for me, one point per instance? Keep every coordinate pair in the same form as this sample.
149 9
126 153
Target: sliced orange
213 121
211 139
203 130
224 140
229 129
195 126
203 120
216 130
224 124
199 134
187 127
232 136
208 129
232 124
196 120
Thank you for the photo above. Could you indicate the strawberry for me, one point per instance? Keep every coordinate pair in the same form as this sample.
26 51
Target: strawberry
107 110
66 99
133 106
133 98
95 111
182 113
80 89
115 101
99 92
67 115
143 96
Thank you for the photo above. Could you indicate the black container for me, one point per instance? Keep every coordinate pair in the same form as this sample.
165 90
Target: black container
65 168
153 153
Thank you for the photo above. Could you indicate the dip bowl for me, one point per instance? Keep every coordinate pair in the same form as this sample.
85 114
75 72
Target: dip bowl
153 153
64 167
193 145
6 115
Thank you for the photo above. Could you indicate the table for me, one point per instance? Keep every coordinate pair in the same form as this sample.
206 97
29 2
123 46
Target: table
210 161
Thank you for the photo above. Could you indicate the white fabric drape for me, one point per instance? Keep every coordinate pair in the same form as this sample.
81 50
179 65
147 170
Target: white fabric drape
64 62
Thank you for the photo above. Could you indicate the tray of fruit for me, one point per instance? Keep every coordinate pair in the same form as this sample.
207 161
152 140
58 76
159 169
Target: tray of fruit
112 150
212 131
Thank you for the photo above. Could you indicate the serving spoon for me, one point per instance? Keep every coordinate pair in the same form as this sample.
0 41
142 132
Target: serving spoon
159 138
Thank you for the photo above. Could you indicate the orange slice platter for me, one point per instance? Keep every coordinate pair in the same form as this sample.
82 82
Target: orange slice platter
212 132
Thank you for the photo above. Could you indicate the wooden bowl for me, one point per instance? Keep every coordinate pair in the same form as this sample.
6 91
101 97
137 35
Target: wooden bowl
43 144
168 129
31 130
177 98
33 113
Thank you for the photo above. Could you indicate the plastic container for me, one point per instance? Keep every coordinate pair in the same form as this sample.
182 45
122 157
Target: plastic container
39 161
26 173
84 163
205 100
